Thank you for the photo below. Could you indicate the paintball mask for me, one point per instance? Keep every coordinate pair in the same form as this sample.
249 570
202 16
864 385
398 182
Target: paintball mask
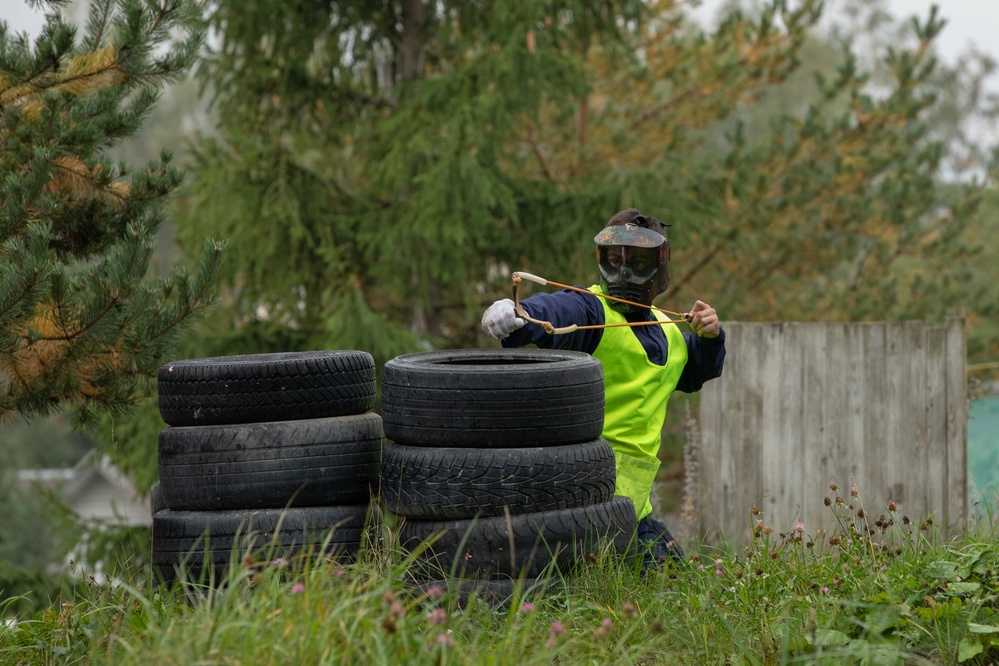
634 264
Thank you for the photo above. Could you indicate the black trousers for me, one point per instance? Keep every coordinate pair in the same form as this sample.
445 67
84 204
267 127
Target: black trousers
657 544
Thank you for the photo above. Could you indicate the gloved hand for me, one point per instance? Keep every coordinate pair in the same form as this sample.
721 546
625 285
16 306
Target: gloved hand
500 319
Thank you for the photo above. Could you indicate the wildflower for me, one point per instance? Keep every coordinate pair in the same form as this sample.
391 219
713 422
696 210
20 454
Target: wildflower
854 492
557 629
718 572
279 562
437 616
527 607
628 609
891 505
756 510
603 631
339 573
768 529
827 501
445 640
656 627
799 527
861 513
833 486
825 590
435 592
297 588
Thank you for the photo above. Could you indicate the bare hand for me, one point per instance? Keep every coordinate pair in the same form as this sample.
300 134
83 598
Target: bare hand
704 320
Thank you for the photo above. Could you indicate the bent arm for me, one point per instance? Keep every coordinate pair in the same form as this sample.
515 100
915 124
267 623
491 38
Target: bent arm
705 359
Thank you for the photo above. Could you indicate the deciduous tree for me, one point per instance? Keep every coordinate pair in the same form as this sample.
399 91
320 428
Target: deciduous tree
382 167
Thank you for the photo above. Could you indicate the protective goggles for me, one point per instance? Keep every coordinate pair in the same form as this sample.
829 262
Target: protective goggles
637 265
630 253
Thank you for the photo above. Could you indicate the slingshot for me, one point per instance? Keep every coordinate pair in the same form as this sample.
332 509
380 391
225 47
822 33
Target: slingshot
552 330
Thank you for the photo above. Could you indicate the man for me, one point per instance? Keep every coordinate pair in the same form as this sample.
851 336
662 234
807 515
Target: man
642 364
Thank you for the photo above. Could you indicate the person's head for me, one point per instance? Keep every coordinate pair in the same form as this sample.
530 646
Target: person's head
633 256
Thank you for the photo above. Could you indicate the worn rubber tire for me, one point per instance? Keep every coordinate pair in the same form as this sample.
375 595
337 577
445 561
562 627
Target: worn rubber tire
189 540
481 548
266 387
156 501
458 483
271 465
493 398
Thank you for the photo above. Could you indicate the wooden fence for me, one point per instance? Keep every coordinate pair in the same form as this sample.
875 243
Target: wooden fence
877 406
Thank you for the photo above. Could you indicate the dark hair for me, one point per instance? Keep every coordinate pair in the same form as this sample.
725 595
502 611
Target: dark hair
632 216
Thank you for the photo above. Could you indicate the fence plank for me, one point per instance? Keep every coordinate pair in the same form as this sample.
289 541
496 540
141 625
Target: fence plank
879 401
814 420
748 479
956 510
836 450
934 466
772 376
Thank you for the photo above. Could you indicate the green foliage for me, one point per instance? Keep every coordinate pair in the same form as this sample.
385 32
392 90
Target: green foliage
405 162
64 445
877 589
81 324
29 546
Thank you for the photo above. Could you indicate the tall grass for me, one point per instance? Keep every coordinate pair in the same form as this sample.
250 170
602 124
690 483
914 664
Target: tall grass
879 589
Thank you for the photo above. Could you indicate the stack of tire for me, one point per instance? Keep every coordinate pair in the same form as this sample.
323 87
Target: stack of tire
495 463
275 454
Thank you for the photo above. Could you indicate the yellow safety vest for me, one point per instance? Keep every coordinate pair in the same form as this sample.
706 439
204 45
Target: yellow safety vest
636 391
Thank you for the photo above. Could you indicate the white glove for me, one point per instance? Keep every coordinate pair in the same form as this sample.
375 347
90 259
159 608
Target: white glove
500 319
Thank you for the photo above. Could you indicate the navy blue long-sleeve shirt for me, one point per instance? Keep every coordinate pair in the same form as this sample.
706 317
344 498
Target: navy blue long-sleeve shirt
705 356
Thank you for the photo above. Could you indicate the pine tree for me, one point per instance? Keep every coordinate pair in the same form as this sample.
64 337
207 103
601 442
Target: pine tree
83 323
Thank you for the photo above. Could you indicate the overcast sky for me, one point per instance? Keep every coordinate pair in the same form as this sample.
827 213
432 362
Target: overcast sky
969 22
